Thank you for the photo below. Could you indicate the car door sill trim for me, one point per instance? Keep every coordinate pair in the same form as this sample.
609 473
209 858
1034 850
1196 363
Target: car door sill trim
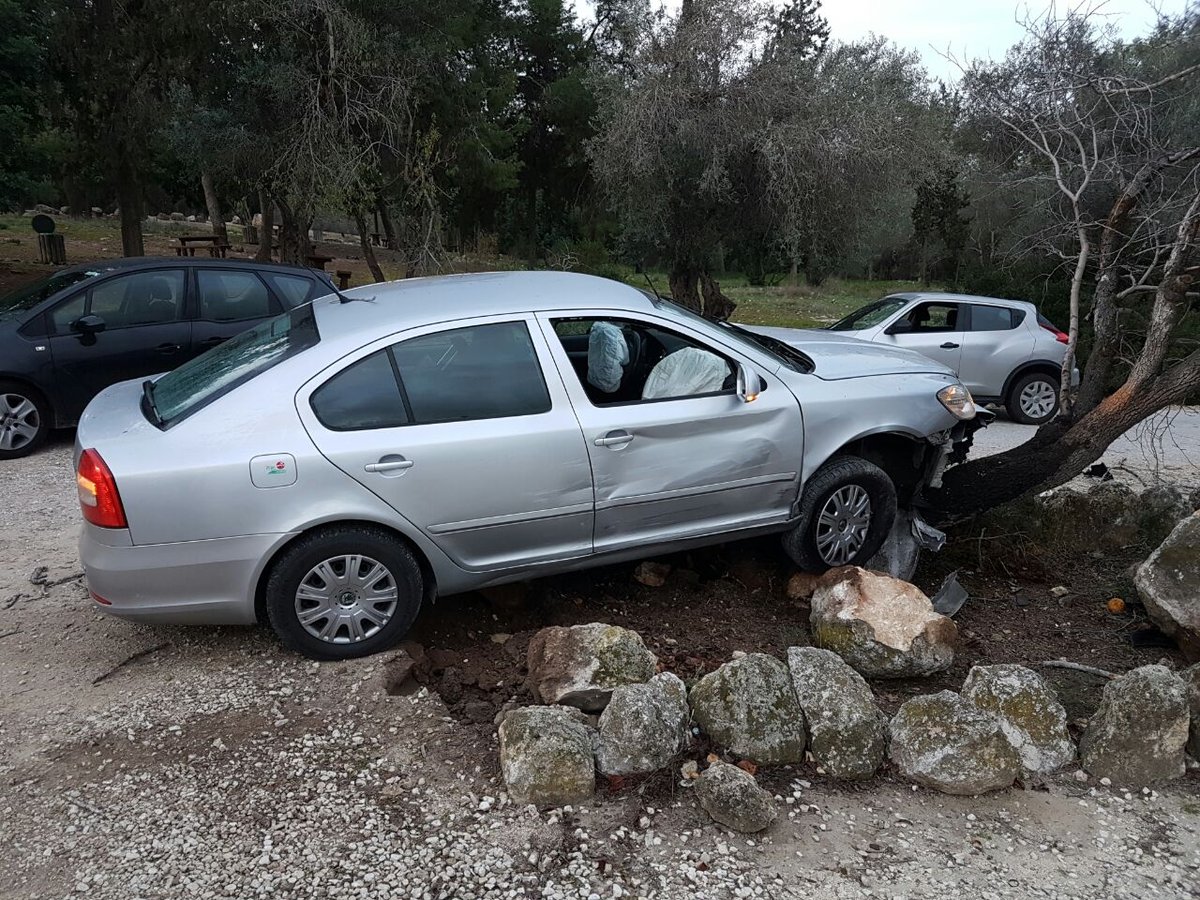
636 499
510 519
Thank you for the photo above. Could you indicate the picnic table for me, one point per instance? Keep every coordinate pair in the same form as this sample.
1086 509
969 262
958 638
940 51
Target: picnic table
217 245
318 261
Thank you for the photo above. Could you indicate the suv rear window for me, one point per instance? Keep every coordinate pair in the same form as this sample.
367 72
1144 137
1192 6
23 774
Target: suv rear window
200 381
994 318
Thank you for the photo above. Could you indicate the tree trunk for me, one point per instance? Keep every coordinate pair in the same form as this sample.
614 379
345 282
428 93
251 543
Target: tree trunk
294 244
1066 392
389 226
684 285
364 240
925 262
266 234
717 306
214 206
129 198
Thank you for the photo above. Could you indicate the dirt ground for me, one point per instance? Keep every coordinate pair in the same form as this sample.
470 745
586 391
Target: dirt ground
142 761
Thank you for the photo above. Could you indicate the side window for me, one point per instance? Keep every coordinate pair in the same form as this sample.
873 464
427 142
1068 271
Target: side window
365 395
292 289
64 314
232 296
623 361
480 372
143 298
934 317
993 318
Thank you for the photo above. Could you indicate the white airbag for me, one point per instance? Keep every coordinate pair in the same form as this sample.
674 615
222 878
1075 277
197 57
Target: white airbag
684 373
608 355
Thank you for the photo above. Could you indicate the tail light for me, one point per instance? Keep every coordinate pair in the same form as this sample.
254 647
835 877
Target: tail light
1060 336
98 496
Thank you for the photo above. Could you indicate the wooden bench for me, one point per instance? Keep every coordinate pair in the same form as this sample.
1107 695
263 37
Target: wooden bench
217 246
318 261
343 277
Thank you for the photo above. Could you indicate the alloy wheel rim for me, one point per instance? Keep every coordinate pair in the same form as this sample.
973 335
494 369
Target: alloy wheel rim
19 421
346 599
1038 399
843 524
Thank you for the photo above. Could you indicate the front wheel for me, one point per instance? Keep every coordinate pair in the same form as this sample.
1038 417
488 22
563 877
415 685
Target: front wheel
344 592
1033 399
846 511
24 420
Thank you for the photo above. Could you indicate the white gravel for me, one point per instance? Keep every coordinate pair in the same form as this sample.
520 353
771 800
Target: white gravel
218 766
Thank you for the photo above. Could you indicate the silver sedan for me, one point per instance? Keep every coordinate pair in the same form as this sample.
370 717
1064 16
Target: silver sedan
335 468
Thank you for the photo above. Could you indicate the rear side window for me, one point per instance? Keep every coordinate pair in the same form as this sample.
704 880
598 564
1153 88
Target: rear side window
366 395
230 296
293 289
994 318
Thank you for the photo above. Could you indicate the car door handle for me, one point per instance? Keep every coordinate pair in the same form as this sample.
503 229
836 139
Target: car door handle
167 349
389 464
949 345
614 439
212 341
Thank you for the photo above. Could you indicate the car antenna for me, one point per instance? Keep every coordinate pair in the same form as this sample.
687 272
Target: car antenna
344 299
653 289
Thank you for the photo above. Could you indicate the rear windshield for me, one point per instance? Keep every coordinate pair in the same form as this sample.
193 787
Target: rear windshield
202 380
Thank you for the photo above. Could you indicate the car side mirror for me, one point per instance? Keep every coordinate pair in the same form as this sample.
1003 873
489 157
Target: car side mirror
902 327
749 383
88 325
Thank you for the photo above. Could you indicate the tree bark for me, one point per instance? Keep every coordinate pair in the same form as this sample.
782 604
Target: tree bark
266 234
389 226
129 198
684 285
294 244
364 240
1066 392
213 203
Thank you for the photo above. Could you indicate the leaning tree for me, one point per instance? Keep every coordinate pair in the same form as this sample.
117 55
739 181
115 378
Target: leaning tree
1105 135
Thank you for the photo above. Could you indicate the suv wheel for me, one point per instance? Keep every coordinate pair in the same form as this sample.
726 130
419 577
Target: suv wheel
846 511
24 420
1033 399
344 592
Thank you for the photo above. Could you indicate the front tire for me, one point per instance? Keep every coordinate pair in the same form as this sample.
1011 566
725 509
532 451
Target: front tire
846 511
344 592
24 420
1033 399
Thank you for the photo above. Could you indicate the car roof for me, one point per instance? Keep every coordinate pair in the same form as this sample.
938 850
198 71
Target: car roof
961 298
443 298
174 262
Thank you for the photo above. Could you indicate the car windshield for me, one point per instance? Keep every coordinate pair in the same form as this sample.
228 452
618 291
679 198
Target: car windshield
776 349
870 315
26 298
202 380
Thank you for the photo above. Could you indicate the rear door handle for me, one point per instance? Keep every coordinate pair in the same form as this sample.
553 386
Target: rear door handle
167 349
389 464
614 439
212 341
949 345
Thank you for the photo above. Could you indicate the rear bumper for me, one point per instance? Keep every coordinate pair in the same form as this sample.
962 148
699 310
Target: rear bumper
190 583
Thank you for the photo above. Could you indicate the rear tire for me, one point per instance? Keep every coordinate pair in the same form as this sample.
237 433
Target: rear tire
24 420
344 592
1033 399
836 527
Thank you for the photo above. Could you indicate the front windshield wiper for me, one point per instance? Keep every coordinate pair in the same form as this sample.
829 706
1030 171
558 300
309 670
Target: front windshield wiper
148 403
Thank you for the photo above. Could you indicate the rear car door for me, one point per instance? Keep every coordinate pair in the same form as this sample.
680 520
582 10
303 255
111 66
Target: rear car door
459 429
675 452
144 333
228 301
995 343
935 328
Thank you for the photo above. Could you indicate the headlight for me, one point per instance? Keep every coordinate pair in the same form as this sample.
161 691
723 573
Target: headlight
956 398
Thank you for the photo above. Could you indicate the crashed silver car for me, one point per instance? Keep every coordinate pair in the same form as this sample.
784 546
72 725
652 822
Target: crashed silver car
335 468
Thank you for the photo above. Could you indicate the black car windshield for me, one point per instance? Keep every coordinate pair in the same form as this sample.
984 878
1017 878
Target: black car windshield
202 380
26 298
870 315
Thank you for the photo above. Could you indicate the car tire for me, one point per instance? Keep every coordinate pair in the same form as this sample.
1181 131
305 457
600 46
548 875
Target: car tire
24 420
326 598
1033 399
818 542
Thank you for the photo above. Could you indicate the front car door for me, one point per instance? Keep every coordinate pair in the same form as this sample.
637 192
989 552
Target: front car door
675 452
144 333
461 431
934 328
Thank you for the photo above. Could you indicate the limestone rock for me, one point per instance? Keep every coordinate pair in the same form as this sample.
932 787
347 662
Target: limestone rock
733 798
1029 713
1169 584
749 707
580 666
1138 734
883 627
1191 678
651 574
847 732
944 741
546 756
643 727
801 586
1160 508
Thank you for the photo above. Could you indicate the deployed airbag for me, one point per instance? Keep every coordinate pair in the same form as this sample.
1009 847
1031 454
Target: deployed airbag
686 372
608 354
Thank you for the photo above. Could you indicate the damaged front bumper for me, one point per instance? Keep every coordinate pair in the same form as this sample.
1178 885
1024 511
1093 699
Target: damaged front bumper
951 446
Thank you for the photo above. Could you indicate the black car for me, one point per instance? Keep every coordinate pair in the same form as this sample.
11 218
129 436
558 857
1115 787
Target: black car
67 337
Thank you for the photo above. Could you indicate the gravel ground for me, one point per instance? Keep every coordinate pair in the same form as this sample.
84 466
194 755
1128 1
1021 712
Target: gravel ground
171 762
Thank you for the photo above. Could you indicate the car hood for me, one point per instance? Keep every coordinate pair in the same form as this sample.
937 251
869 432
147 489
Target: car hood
836 356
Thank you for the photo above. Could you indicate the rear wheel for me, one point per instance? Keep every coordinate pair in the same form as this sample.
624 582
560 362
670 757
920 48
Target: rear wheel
846 511
1033 399
344 592
24 420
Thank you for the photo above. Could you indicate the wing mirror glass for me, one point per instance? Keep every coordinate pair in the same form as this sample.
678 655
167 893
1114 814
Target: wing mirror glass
88 325
901 327
749 383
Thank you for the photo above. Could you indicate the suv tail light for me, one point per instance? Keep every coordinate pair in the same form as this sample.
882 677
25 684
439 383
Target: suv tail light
1059 335
98 497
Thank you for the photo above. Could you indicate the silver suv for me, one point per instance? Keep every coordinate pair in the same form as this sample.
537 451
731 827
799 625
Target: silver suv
332 469
1004 351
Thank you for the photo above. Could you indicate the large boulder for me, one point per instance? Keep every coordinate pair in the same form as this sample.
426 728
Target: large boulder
1191 680
732 797
546 755
846 731
944 741
643 727
1169 585
883 627
1160 508
580 666
749 707
1138 734
1029 713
